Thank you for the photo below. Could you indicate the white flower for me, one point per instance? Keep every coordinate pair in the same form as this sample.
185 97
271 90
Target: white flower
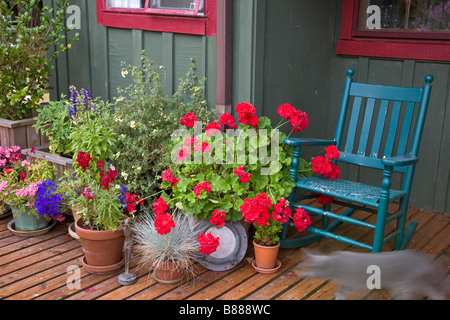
133 124
118 119
117 154
124 73
124 175
112 167
117 186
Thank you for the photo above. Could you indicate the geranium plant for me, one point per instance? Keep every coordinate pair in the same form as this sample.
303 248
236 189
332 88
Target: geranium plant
27 183
215 171
93 190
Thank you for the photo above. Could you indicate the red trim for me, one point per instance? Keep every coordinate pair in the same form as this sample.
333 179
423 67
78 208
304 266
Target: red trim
159 20
352 43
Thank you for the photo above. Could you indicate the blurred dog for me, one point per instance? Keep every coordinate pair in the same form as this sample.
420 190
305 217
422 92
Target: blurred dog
403 273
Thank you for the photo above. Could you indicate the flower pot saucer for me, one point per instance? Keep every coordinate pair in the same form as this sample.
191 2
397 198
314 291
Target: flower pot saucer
72 231
32 233
264 270
102 269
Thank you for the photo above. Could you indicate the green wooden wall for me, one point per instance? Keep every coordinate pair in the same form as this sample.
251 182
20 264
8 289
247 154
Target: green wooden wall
284 51
94 62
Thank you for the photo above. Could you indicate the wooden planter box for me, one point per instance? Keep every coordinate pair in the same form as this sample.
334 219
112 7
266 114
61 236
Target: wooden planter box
20 133
61 163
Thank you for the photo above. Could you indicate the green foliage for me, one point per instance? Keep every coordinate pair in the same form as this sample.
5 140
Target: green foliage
227 191
24 46
81 123
144 119
54 122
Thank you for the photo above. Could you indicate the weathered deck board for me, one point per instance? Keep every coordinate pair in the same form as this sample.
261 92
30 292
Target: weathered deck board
36 269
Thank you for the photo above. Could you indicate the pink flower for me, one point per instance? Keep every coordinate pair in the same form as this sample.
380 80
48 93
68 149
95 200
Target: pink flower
183 154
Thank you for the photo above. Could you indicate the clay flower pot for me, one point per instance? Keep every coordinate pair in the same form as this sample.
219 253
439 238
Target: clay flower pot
103 249
169 272
266 258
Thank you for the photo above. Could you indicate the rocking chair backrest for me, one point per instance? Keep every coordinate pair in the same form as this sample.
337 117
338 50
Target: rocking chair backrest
385 121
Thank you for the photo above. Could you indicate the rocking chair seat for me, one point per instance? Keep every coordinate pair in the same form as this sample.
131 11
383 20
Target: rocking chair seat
347 190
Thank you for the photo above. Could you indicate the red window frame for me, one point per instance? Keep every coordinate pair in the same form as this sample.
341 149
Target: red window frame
392 45
163 20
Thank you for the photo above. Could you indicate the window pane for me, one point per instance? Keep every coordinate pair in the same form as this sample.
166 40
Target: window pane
188 5
404 15
134 4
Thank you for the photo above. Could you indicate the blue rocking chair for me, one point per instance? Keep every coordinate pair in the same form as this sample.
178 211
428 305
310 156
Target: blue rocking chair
369 142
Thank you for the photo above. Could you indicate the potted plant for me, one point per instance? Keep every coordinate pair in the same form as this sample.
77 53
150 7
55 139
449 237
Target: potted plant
213 172
29 190
144 119
102 206
8 156
27 31
268 219
171 255
78 123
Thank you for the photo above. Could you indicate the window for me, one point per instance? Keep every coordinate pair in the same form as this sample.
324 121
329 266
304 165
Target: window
178 16
409 29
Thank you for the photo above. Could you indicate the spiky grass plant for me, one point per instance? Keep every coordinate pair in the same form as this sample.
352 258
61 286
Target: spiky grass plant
180 245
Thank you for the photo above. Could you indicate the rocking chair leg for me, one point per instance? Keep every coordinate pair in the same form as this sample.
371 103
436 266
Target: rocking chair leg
401 221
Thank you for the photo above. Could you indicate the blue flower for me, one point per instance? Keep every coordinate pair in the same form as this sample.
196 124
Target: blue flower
49 200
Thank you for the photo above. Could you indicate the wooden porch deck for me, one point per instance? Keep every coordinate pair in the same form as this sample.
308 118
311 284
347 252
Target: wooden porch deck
36 269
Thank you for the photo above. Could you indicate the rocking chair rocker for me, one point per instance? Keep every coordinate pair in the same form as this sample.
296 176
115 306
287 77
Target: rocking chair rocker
369 144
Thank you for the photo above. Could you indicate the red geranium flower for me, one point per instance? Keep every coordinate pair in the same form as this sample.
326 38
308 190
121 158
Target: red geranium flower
256 210
298 120
332 152
324 199
228 120
212 128
281 212
167 176
218 218
286 110
189 120
208 243
301 219
160 206
247 114
202 186
164 223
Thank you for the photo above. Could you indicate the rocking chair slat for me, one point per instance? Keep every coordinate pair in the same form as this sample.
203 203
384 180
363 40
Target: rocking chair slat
392 129
365 130
353 124
405 129
379 129
356 195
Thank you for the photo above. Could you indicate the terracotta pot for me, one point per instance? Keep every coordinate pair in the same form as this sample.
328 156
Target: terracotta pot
101 248
169 272
266 256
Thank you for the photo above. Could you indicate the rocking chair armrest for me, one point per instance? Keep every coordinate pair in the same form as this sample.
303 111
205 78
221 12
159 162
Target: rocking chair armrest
400 160
300 142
